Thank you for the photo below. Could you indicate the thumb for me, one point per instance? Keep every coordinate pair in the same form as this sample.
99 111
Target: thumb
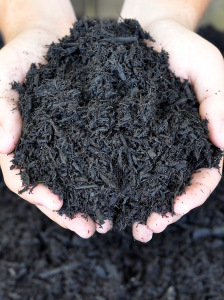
209 86
10 119
212 108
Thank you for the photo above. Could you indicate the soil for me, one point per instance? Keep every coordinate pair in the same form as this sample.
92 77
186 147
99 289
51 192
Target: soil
108 127
41 261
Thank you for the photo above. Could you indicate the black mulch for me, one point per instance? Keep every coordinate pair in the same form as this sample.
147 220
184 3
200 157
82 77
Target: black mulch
39 260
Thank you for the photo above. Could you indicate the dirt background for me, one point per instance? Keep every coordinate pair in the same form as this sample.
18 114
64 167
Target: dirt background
39 260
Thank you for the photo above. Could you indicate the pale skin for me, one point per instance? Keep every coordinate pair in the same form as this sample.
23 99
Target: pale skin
170 22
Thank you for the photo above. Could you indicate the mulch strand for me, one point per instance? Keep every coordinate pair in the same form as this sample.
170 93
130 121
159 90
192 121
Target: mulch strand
109 127
41 261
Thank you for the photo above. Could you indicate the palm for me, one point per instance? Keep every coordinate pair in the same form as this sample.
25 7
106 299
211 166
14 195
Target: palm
15 60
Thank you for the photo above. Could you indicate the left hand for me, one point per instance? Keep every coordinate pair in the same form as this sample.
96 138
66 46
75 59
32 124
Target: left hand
191 57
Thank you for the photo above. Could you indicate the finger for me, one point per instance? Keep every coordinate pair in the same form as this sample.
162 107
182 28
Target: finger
40 194
158 223
141 232
212 108
202 185
84 227
10 128
105 227
208 84
10 119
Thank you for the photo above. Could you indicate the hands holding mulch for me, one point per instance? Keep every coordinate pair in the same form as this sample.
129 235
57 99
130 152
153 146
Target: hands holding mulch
118 191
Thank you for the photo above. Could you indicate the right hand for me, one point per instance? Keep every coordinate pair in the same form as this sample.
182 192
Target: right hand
15 60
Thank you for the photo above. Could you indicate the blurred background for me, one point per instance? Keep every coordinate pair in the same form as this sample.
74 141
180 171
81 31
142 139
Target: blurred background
111 9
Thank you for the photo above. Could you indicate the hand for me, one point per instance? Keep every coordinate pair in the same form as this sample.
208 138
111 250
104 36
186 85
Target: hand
15 59
191 57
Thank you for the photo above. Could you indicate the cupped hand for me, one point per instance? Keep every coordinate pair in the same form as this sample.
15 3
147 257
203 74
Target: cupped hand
16 57
191 57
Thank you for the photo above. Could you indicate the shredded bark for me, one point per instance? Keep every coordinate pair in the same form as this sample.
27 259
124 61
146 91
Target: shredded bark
109 127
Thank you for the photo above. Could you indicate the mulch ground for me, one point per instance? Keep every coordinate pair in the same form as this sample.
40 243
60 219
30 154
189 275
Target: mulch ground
39 260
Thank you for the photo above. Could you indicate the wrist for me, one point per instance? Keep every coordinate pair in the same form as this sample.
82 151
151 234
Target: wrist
185 12
17 16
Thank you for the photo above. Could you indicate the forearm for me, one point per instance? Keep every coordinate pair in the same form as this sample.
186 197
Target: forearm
186 12
18 15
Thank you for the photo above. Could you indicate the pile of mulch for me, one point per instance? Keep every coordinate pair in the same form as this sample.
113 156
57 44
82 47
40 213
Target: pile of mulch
41 261
108 127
